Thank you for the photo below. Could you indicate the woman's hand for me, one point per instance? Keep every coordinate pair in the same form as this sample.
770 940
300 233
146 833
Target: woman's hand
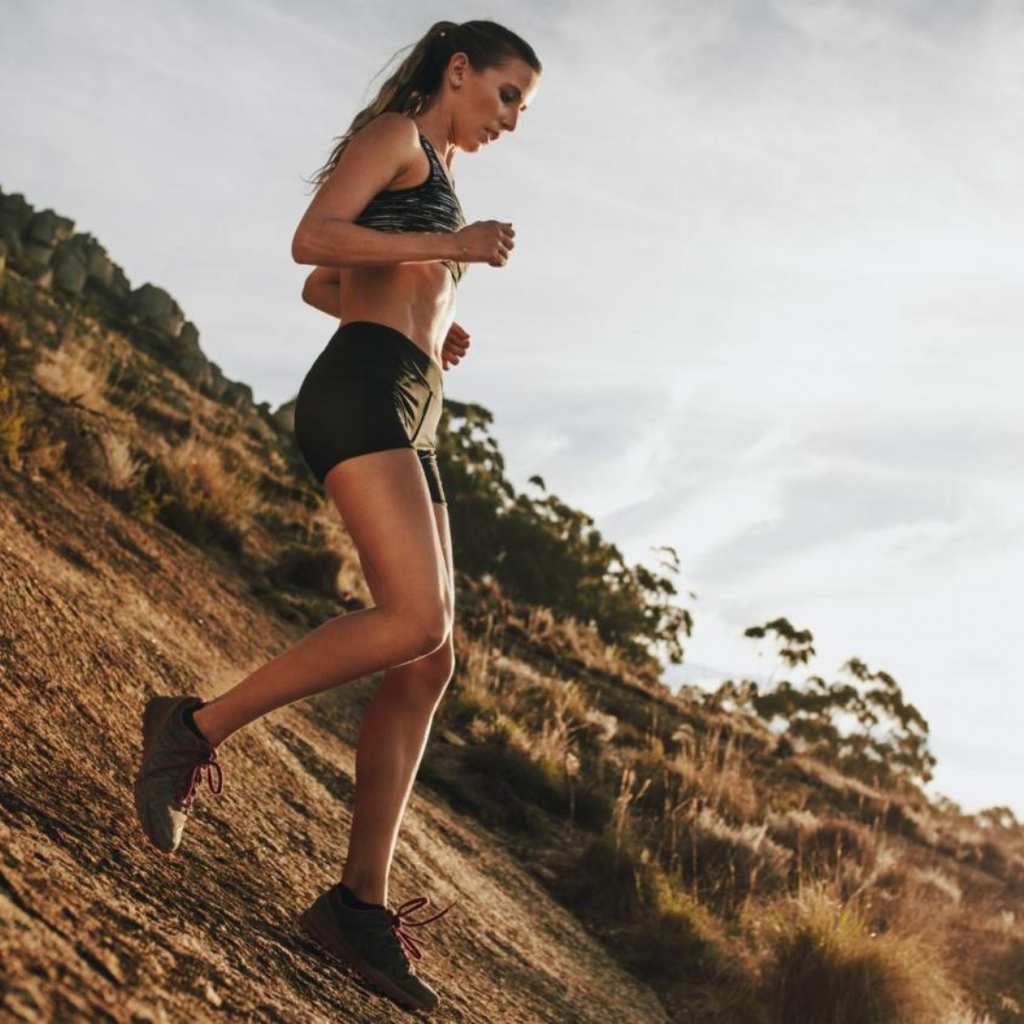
486 241
322 290
454 347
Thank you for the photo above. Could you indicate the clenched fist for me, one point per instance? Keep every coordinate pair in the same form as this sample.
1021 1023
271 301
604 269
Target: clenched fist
454 347
486 241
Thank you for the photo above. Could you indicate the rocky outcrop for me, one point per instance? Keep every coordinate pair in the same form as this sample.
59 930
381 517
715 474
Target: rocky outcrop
44 246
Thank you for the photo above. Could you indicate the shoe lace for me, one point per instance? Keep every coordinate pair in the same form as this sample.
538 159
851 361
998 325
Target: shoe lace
191 775
190 778
398 921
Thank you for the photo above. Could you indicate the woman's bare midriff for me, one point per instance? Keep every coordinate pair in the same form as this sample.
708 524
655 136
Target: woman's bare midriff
417 299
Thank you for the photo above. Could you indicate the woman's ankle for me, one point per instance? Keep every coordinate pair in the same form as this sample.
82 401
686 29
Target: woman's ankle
205 719
365 893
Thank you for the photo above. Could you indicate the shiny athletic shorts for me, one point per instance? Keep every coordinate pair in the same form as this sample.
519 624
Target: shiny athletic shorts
369 390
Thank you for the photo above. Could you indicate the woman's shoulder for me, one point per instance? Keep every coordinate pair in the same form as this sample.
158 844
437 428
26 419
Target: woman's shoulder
391 125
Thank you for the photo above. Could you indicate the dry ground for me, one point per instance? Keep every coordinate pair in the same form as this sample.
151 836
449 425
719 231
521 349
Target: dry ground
99 612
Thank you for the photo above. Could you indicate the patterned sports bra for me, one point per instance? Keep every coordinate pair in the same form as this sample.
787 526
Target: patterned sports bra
431 206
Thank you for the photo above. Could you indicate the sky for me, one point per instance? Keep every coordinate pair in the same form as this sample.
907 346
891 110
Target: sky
764 306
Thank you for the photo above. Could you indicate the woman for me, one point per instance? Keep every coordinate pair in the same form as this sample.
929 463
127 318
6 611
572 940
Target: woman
386 235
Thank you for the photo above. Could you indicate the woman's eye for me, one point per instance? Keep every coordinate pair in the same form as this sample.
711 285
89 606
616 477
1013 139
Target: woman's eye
507 97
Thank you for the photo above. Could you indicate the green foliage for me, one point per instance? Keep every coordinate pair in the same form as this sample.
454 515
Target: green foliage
865 728
544 552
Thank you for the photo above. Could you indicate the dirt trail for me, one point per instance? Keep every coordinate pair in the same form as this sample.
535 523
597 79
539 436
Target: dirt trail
97 613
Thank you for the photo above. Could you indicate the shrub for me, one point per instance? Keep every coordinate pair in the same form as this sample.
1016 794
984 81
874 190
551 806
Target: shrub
312 568
12 420
825 965
191 492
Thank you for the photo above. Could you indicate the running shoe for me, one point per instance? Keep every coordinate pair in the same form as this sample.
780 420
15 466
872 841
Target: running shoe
173 761
373 940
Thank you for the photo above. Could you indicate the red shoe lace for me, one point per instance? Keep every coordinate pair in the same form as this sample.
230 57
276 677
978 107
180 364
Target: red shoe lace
185 787
410 907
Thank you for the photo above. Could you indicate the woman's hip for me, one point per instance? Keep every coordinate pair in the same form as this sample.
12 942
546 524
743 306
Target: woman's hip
372 385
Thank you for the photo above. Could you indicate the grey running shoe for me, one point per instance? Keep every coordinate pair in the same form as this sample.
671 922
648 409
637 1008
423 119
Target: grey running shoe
173 760
372 940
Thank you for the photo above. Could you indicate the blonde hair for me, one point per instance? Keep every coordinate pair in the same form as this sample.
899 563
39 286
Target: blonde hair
416 81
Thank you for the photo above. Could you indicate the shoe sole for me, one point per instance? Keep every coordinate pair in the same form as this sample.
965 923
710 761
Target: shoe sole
335 944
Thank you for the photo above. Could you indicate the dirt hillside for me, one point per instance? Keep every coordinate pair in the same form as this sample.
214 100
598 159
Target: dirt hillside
97 615
615 851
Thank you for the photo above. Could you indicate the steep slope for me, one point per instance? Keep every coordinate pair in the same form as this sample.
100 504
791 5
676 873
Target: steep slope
159 533
97 614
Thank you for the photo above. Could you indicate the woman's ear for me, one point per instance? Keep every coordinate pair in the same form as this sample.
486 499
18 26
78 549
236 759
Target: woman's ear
457 69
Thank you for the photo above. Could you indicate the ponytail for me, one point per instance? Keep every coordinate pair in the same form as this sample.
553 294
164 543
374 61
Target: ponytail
420 76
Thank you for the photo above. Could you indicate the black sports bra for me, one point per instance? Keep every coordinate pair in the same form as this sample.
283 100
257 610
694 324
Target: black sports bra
431 206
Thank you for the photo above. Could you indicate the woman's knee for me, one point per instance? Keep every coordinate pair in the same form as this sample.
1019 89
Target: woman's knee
427 626
426 679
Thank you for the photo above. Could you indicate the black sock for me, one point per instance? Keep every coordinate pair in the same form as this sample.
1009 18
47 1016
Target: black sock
190 722
349 898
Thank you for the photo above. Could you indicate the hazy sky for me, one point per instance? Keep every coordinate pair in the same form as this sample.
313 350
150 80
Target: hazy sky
765 303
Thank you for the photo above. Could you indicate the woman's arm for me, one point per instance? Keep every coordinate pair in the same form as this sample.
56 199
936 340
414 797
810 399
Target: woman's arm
322 290
373 158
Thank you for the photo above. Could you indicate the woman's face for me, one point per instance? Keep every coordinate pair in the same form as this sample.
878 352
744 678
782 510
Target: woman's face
489 103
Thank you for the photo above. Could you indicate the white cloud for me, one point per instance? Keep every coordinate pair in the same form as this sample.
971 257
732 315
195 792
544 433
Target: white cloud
764 304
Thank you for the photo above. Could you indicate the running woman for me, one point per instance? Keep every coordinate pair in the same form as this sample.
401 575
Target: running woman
386 236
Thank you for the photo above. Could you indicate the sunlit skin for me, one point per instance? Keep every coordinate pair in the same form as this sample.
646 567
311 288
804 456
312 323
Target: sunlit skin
472 110
475 111
402 538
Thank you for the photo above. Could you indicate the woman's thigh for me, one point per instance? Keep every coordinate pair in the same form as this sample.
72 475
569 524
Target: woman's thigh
446 652
375 580
385 505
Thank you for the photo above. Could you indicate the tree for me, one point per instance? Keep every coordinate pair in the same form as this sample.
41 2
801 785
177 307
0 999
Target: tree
865 727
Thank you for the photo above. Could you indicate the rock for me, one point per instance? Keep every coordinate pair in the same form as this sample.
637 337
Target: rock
98 264
189 359
120 286
238 395
189 334
218 382
69 269
15 212
284 415
37 255
157 308
48 228
10 237
41 275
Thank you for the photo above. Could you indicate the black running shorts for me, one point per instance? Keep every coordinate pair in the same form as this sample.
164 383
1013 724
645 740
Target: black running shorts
370 389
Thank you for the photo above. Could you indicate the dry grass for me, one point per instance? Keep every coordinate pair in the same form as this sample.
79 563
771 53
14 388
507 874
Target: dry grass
12 420
78 371
121 464
202 477
824 963
846 853
718 771
191 491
